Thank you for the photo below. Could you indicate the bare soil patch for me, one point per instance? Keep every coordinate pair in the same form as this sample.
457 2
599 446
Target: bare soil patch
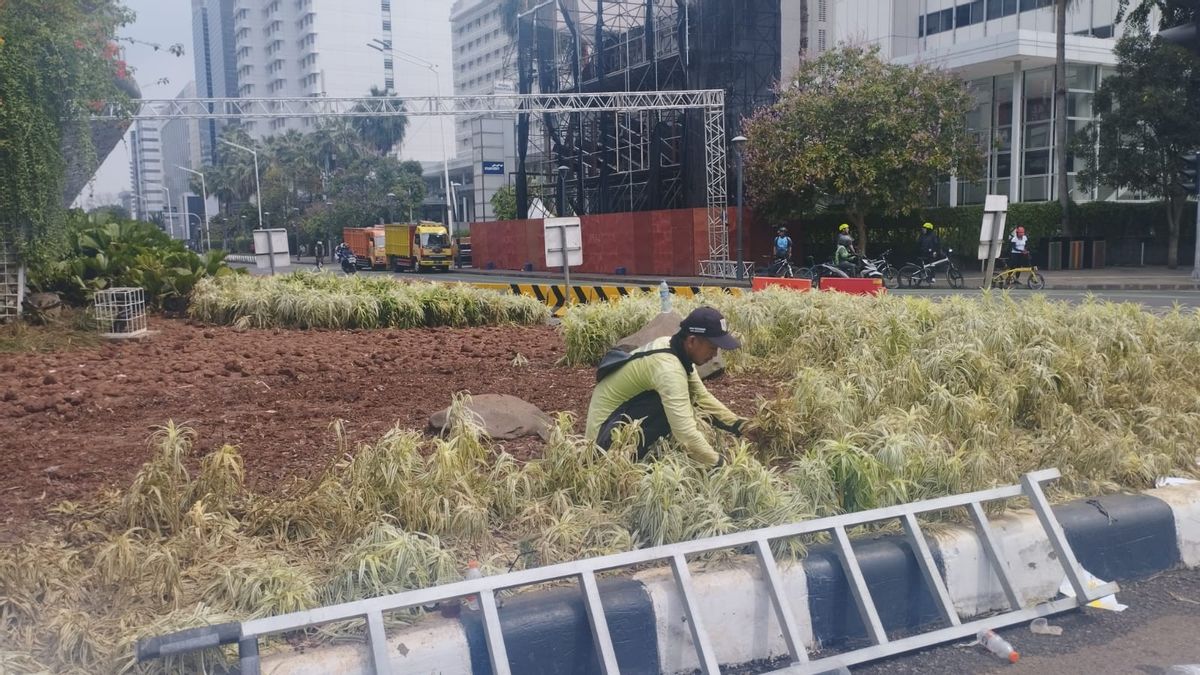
75 422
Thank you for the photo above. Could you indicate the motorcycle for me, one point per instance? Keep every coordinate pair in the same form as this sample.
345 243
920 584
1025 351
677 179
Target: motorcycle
818 271
348 261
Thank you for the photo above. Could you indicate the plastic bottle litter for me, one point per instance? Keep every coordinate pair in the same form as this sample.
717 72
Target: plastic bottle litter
664 296
1043 627
997 645
1184 669
473 572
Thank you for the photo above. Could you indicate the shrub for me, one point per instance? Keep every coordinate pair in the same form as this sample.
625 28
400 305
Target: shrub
128 253
305 300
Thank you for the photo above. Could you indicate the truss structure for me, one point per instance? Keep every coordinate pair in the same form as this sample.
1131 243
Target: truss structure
635 108
419 106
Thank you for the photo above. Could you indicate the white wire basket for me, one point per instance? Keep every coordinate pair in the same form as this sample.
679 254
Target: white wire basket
121 313
12 284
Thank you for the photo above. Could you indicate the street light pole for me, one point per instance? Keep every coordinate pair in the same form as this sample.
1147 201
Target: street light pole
1196 254
739 142
257 187
383 45
562 191
204 196
170 222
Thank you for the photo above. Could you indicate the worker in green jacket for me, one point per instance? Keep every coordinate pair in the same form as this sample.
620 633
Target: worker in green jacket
659 385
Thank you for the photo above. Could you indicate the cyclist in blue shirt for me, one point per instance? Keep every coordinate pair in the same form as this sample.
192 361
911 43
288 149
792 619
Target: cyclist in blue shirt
783 245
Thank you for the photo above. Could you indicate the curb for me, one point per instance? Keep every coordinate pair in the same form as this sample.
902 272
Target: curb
1123 287
1116 537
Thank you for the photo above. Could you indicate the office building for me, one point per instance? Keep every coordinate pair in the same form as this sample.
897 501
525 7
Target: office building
1005 50
146 169
295 48
181 146
215 63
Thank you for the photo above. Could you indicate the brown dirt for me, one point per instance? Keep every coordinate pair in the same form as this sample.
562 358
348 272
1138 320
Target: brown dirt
74 422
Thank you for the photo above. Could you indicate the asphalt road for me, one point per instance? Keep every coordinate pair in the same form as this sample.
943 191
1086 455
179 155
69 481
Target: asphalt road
1151 299
1160 629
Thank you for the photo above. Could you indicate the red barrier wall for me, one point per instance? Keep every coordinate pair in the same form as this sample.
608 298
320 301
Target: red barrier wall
853 286
668 242
759 283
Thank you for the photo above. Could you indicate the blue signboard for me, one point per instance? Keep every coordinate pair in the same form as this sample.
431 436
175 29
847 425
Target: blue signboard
496 168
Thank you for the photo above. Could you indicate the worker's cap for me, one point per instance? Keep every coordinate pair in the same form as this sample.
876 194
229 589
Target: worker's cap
708 323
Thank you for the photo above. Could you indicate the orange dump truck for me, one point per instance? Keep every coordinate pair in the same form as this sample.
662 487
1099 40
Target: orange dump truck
367 244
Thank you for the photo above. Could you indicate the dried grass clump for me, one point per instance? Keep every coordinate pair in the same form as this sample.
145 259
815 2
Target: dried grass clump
303 300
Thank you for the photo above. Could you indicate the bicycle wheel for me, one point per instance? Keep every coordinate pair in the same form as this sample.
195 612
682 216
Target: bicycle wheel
1035 281
909 276
954 277
891 277
803 273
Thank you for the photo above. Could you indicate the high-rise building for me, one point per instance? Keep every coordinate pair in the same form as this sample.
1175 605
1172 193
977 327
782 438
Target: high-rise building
180 146
146 169
1005 50
484 62
294 48
215 63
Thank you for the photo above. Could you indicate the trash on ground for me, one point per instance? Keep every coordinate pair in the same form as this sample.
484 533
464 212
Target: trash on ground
1174 480
1042 627
997 645
1090 580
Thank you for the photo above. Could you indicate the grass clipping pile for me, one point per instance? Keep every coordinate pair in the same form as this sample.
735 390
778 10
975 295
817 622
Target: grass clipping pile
887 401
307 300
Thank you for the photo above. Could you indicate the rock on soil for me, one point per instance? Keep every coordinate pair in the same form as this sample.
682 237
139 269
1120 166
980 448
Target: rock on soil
502 417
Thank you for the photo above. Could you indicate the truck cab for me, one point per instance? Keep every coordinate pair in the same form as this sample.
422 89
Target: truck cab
418 246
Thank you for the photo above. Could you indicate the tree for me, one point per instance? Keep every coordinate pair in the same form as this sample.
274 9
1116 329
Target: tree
504 203
873 135
1146 121
1060 112
58 62
110 213
1171 12
381 133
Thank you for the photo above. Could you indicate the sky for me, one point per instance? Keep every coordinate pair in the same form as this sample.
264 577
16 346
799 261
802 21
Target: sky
420 27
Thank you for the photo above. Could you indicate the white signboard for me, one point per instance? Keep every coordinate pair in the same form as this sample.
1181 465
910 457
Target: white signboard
991 230
560 234
271 249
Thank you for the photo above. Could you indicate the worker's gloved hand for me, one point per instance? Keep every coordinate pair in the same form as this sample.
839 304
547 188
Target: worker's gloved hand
751 433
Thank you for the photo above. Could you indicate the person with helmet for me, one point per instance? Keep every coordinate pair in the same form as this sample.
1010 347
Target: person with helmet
844 238
843 255
783 245
1018 250
929 246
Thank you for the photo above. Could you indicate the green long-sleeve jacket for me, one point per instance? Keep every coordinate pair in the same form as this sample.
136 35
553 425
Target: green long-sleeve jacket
683 395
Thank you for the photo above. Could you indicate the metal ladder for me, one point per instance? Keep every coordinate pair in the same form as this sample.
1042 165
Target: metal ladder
248 633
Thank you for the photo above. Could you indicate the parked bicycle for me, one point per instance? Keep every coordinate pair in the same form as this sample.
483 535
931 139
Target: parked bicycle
915 275
782 267
890 275
1011 276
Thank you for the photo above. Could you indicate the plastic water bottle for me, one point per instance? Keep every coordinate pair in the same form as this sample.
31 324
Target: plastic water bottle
997 645
664 296
473 572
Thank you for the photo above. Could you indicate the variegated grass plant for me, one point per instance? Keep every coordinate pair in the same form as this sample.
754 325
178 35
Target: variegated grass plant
882 402
303 300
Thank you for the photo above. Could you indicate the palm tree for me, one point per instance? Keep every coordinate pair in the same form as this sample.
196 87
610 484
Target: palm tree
381 133
1060 111
335 145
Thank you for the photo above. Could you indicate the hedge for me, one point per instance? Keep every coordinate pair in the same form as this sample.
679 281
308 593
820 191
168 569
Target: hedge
959 227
